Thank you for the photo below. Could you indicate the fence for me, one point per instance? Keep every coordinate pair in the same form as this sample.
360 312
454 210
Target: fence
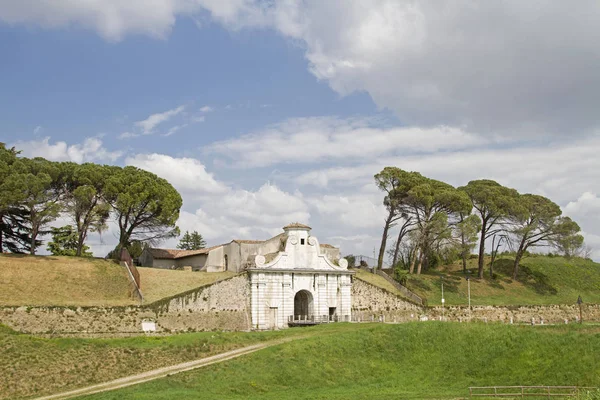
528 391
316 319
134 274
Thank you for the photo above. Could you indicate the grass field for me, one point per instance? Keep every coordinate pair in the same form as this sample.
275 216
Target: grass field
404 361
61 281
542 280
73 281
161 283
36 366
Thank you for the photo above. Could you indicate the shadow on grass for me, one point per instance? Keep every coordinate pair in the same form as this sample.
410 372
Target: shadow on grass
536 280
451 283
418 284
23 255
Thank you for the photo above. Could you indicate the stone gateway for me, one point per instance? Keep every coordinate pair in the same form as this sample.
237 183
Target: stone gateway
298 285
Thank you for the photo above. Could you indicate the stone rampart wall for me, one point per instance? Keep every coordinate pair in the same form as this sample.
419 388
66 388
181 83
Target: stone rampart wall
220 306
370 302
547 314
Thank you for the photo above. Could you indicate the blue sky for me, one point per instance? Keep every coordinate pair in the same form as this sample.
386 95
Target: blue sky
262 113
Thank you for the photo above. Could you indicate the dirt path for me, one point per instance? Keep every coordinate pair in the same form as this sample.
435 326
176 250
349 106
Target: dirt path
165 371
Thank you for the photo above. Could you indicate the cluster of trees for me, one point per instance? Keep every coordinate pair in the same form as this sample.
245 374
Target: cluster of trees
36 192
191 241
439 223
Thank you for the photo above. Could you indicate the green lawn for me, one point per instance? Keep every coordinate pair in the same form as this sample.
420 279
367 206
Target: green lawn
542 280
36 366
379 361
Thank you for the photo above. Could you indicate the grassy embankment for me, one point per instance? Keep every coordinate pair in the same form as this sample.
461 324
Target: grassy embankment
542 280
73 281
36 366
380 361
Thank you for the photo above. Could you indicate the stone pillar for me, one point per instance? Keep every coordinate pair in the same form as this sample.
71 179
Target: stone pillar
321 306
346 297
258 286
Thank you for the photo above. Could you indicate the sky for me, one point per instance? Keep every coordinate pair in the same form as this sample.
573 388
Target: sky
262 112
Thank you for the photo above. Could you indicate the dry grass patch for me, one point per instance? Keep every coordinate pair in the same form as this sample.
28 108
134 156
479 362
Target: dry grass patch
160 283
61 281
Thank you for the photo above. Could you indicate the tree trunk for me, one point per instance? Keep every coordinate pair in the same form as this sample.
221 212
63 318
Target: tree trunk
34 233
481 249
413 260
421 256
516 266
384 237
518 257
396 249
80 240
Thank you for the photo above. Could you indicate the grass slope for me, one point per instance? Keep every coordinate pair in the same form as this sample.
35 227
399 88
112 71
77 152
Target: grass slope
377 280
73 281
542 280
415 360
36 366
61 281
160 283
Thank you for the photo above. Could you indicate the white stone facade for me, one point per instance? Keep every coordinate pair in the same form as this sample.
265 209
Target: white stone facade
299 284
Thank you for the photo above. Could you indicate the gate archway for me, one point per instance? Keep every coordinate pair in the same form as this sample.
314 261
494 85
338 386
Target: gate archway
303 304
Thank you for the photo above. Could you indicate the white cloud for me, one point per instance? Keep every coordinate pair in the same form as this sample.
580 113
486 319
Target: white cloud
174 130
554 169
90 150
219 211
206 109
308 140
187 175
37 130
586 212
358 211
129 135
513 67
147 126
112 19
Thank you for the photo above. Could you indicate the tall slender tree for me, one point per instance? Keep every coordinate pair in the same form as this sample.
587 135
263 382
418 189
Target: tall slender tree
389 181
84 195
467 229
493 203
42 200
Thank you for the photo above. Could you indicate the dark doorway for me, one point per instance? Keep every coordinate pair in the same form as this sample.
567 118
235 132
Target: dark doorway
303 304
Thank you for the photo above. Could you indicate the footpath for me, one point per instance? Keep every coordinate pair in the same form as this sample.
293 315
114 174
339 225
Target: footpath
165 371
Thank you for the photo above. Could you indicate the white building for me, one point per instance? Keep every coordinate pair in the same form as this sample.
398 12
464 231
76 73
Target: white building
298 284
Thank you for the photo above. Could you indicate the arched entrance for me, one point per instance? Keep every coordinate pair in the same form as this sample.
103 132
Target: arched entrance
303 305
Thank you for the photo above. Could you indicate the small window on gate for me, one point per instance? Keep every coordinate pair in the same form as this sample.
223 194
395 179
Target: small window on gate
301 241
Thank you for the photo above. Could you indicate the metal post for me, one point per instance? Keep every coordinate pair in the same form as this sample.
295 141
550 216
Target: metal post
443 300
469 291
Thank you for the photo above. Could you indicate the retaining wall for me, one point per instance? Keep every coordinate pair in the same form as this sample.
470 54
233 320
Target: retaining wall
220 306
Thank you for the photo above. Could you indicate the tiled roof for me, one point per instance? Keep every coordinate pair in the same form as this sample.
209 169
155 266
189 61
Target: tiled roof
297 225
172 254
248 241
327 246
